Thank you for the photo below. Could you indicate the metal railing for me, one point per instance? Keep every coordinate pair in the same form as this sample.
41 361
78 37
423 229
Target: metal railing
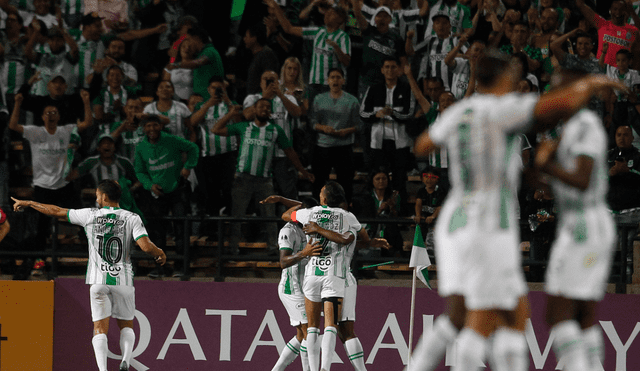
625 225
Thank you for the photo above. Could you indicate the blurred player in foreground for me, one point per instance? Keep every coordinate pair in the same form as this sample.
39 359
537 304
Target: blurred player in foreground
477 233
112 232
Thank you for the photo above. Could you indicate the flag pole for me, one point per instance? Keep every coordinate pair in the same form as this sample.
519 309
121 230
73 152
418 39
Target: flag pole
413 307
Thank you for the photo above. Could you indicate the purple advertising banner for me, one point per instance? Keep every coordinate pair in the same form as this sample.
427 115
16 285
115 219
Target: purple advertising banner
242 326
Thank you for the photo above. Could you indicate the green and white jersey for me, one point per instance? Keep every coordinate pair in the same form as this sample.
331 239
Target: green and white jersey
111 233
107 98
292 238
23 4
279 115
50 65
459 16
69 7
49 155
3 19
130 140
88 52
636 9
335 259
629 79
582 135
434 51
14 70
120 167
323 58
461 75
481 134
258 146
211 144
176 114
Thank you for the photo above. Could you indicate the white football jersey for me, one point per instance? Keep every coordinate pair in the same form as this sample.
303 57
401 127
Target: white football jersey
481 135
292 238
111 233
582 135
335 258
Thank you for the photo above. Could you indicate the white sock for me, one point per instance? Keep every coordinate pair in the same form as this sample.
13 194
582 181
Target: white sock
304 356
594 345
569 347
100 348
127 340
354 350
288 355
432 345
312 349
471 351
509 350
328 346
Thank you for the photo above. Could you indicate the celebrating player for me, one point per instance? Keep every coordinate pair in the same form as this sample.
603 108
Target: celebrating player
112 232
477 232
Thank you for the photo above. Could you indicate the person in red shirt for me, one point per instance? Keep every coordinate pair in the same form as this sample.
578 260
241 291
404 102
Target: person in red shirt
617 32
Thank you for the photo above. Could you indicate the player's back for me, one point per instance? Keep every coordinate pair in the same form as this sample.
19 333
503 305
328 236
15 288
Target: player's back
481 137
111 234
292 237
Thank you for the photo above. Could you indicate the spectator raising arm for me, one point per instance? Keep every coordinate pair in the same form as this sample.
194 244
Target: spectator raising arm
284 22
422 101
15 115
88 117
586 11
556 45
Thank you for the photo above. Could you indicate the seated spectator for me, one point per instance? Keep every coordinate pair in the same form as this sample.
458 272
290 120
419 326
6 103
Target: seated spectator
129 132
55 57
335 117
388 108
429 200
160 167
284 109
218 154
624 172
173 114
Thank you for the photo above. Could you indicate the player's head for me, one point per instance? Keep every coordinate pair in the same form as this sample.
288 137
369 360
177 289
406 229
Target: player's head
309 202
624 137
623 60
430 176
332 194
108 192
498 73
584 44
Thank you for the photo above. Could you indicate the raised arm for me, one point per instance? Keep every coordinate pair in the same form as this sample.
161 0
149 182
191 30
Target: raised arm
15 115
51 210
586 11
605 47
284 22
88 117
450 59
220 127
422 101
357 11
287 202
556 45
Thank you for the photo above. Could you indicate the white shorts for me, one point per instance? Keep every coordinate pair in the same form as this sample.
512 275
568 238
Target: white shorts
316 288
294 304
579 269
349 301
483 266
112 301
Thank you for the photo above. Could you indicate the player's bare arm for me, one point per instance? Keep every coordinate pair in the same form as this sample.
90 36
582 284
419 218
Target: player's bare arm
150 248
287 202
51 210
578 178
341 238
310 249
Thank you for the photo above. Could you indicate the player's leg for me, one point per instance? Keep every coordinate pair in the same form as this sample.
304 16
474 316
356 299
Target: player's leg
123 303
591 333
304 355
473 342
100 313
352 345
433 344
332 310
509 346
568 342
127 340
290 351
313 309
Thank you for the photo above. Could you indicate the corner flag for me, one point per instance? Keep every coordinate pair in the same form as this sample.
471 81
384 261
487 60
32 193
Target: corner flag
420 258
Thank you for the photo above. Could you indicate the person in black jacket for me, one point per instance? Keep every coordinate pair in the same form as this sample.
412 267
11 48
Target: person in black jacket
624 172
388 107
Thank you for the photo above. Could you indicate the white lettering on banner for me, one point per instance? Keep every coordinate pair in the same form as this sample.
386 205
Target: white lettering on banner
225 329
539 358
269 321
191 339
621 349
398 340
143 342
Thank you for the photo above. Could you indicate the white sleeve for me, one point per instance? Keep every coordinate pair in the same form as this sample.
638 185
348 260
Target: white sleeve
354 224
588 138
138 230
301 216
183 109
513 112
286 238
79 217
31 133
448 120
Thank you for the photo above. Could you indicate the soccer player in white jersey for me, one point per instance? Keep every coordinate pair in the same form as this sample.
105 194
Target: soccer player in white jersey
112 232
582 252
325 274
477 231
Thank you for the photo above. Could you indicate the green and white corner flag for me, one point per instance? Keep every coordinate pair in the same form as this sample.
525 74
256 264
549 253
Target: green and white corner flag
420 258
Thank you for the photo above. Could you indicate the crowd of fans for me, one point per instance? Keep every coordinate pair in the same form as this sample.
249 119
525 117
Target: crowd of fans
332 75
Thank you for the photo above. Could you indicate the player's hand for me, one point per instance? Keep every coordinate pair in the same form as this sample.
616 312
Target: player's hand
312 248
161 259
380 243
157 190
545 153
311 227
308 176
273 199
19 205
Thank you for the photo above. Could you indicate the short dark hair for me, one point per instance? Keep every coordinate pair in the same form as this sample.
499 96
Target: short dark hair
259 31
151 118
216 79
111 188
435 79
430 169
391 58
625 52
334 194
335 69
342 13
111 40
491 65
309 202
584 34
522 23
199 32
115 67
